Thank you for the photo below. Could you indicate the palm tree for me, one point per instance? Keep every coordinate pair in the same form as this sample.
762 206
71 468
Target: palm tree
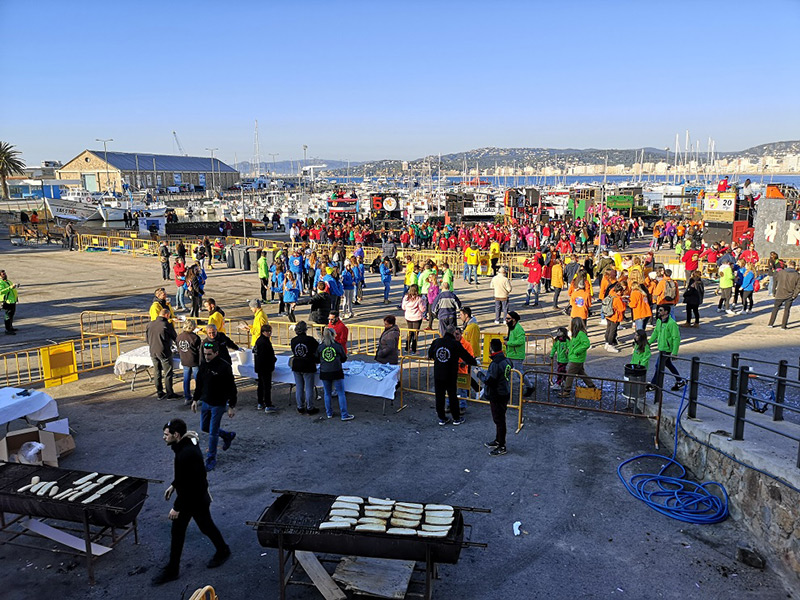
10 164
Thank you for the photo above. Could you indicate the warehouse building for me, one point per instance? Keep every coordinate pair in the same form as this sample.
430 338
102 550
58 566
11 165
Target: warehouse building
100 172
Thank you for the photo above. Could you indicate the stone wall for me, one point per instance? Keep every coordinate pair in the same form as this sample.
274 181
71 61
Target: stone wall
773 233
770 511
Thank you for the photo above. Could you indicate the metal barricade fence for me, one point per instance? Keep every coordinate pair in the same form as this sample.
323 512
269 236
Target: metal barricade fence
416 376
25 367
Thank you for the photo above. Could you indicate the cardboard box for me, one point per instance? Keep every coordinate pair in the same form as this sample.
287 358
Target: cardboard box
13 441
65 443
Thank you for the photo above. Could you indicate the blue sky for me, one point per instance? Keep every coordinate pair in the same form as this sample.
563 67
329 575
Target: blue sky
369 80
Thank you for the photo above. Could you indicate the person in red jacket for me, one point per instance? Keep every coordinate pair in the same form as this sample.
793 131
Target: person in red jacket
534 278
180 278
690 259
339 328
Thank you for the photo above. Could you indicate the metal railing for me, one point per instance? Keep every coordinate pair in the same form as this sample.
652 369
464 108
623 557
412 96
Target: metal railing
742 403
25 367
416 376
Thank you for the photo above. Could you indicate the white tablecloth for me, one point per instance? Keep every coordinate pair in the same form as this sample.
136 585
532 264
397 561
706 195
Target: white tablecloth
140 357
356 384
36 407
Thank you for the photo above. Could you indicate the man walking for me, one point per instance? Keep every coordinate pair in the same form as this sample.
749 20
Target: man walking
160 336
515 341
8 297
216 390
446 308
668 336
192 500
787 288
501 287
263 273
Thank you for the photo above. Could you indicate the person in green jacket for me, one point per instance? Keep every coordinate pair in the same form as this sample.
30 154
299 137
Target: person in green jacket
8 297
641 349
560 351
515 341
667 334
447 275
263 273
576 357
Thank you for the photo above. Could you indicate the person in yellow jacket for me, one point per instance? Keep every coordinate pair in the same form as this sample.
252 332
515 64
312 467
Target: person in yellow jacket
557 280
216 316
473 257
494 255
259 319
161 302
470 330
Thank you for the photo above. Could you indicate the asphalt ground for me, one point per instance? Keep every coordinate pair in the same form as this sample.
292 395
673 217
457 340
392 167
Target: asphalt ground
582 534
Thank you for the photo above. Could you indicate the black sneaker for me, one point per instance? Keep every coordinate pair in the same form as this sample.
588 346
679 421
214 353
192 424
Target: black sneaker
260 407
312 411
678 385
226 441
444 422
219 558
499 451
458 421
650 388
492 444
301 410
164 576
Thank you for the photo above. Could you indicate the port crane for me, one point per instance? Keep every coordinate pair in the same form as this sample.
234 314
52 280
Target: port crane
178 142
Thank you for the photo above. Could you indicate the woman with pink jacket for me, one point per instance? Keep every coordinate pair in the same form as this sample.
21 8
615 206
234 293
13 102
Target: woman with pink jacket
414 306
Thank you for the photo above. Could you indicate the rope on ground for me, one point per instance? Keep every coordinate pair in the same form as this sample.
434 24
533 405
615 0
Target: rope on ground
672 495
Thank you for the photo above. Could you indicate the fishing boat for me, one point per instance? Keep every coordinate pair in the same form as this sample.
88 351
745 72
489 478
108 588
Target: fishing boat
75 205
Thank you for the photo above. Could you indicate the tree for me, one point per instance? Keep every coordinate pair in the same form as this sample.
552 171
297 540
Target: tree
10 164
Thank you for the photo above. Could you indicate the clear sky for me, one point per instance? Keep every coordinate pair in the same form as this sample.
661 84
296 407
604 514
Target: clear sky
382 79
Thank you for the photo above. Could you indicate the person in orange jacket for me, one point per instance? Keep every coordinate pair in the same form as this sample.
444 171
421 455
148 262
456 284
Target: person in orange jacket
615 318
639 301
580 299
667 291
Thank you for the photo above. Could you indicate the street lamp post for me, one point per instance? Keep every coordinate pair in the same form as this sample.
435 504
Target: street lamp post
105 152
305 162
213 185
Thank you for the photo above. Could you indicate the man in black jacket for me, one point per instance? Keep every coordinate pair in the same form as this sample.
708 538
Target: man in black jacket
223 342
160 336
264 360
304 368
321 303
498 393
216 389
446 352
192 500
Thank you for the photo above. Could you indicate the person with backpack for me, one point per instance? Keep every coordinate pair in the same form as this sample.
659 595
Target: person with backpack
693 298
613 309
498 393
666 292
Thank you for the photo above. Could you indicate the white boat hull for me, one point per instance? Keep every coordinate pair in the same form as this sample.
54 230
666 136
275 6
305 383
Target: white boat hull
112 213
71 210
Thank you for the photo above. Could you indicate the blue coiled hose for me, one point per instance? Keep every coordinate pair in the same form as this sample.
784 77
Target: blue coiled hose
673 496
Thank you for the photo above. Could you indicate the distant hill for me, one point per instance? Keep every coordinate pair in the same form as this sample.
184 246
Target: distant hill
539 158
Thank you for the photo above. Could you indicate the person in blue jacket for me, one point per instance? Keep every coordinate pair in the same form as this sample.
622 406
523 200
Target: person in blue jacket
291 294
748 287
361 283
335 288
349 289
277 286
386 278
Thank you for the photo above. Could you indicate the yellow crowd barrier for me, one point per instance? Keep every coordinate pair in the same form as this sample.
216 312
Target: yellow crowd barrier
52 364
416 376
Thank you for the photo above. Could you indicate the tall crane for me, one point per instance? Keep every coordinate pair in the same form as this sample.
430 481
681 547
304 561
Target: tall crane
178 142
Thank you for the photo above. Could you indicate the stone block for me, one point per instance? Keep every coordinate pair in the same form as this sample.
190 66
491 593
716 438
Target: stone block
749 556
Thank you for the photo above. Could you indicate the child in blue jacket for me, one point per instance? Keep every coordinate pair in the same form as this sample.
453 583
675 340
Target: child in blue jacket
386 278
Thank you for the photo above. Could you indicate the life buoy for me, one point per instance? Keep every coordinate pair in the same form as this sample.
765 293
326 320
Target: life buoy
390 204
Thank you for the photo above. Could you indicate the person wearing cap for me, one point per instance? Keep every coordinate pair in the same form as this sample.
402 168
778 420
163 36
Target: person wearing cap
215 390
259 320
160 302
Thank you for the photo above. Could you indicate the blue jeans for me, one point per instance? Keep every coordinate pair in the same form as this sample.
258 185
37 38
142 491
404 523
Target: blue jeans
304 385
189 373
386 286
534 288
210 419
640 323
472 271
180 298
327 385
465 272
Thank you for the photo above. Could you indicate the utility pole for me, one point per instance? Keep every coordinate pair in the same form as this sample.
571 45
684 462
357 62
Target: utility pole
212 150
105 152
305 163
273 155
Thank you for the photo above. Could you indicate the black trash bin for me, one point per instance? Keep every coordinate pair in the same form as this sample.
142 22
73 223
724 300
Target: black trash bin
231 260
635 386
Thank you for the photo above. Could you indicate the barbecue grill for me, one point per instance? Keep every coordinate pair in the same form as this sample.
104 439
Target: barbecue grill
292 522
105 520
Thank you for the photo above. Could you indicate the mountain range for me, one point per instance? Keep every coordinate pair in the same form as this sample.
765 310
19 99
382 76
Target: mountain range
507 157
